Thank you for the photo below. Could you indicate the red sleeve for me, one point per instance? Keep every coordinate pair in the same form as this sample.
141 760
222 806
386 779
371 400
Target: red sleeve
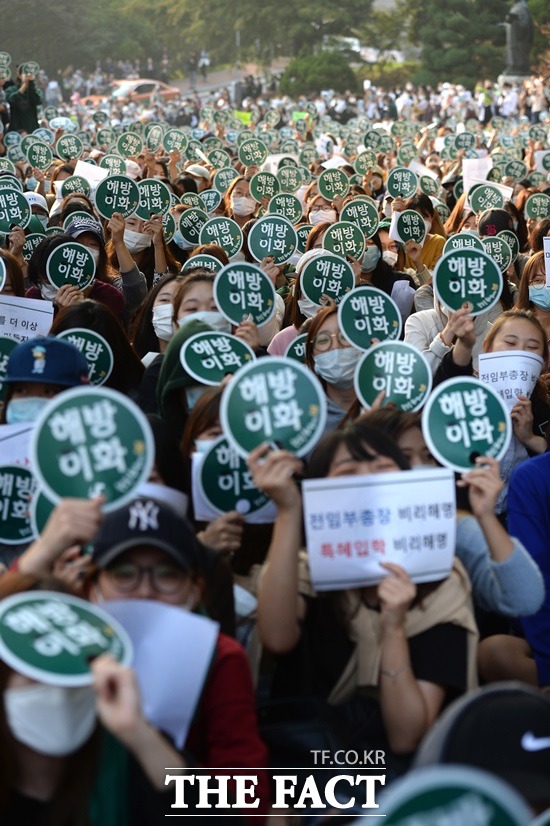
108 295
225 732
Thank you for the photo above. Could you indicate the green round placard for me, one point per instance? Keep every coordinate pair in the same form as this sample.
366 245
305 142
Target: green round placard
275 400
70 263
264 185
16 487
329 276
15 210
96 350
154 198
222 231
344 238
463 240
397 368
362 212
202 260
498 248
129 145
486 196
226 482
275 236
401 183
243 291
52 637
209 357
467 275
116 193
92 441
69 147
367 313
333 183
463 419
287 205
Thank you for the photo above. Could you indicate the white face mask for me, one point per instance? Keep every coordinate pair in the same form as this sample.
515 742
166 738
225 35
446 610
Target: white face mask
27 409
136 241
162 321
389 257
210 317
48 292
203 445
243 206
321 216
428 225
337 367
94 254
307 307
51 719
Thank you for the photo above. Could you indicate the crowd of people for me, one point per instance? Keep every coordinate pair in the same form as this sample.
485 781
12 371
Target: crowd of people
368 666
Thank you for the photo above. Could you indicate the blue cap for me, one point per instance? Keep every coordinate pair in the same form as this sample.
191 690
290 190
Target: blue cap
49 361
80 224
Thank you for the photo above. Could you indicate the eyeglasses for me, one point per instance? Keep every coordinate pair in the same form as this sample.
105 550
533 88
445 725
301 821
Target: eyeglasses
323 341
165 579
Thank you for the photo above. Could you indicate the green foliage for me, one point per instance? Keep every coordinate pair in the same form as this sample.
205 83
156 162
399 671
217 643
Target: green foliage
388 75
323 70
460 40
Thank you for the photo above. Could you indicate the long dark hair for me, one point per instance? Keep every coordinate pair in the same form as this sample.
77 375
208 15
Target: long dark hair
363 442
91 315
142 334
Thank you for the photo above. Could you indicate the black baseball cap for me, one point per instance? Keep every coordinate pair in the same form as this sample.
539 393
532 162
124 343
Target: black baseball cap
503 728
146 521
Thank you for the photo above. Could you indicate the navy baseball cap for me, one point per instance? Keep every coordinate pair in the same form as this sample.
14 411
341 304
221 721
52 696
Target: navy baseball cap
80 225
47 360
149 522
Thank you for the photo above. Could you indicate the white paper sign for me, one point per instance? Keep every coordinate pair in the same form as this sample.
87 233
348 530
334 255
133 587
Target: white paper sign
355 522
546 247
505 191
475 169
14 444
419 170
173 651
24 318
511 373
203 510
90 172
539 157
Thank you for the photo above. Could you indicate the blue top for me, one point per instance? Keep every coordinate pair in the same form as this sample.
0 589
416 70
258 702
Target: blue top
529 519
514 588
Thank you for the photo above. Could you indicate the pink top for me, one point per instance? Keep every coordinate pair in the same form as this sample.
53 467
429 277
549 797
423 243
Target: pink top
280 342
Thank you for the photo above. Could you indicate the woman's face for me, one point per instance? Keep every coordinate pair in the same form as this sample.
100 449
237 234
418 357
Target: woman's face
166 294
388 244
329 336
198 298
518 334
343 463
134 223
241 190
147 573
35 389
412 444
88 239
319 204
470 222
210 433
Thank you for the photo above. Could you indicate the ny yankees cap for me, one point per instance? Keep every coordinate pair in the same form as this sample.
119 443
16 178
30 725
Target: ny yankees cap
146 522
503 728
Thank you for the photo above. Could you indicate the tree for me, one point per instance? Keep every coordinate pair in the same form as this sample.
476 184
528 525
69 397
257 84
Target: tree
324 70
461 41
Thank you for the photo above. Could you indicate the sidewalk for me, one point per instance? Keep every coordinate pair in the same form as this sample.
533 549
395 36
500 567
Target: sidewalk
225 77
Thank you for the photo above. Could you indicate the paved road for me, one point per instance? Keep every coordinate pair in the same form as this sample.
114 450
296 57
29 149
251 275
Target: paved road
221 79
